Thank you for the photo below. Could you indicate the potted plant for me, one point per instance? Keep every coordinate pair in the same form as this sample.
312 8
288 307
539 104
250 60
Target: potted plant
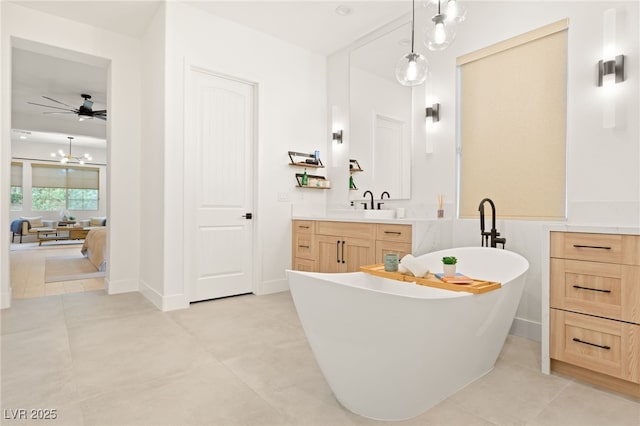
449 266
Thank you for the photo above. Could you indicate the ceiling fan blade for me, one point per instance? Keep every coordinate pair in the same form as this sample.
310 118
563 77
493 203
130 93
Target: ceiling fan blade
100 111
58 112
58 102
101 117
49 106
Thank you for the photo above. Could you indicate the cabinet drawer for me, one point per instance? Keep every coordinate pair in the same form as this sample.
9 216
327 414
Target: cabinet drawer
303 246
305 265
603 289
345 229
607 248
390 232
384 247
303 226
606 346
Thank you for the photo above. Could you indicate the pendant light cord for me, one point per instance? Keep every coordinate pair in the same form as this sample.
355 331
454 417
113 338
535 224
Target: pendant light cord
413 20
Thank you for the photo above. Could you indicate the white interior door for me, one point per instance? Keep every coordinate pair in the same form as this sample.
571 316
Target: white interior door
218 186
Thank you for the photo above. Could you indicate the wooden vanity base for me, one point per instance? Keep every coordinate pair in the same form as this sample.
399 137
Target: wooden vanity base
593 377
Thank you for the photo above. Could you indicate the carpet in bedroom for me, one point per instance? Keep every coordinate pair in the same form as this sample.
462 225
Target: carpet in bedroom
69 268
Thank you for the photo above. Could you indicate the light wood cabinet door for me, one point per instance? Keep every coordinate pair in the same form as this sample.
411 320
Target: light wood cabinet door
358 252
339 254
329 253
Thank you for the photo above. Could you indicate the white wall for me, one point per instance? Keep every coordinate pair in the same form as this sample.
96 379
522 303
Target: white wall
291 116
603 176
152 168
123 135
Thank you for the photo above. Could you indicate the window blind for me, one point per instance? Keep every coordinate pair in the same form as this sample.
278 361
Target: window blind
49 176
513 125
16 174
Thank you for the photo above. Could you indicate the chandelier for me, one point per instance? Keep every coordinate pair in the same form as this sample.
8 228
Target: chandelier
69 157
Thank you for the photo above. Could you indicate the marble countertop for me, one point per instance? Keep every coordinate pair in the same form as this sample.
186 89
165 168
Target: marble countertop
403 221
598 229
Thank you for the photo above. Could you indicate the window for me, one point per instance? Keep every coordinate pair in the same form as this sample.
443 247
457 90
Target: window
64 187
513 125
16 186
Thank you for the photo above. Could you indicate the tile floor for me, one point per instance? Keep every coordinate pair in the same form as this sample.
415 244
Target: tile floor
27 271
117 360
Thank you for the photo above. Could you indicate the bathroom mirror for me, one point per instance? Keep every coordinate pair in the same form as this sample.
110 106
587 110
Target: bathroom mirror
380 117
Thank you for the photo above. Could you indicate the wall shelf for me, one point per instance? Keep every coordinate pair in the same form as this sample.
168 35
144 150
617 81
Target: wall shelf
354 166
309 160
321 180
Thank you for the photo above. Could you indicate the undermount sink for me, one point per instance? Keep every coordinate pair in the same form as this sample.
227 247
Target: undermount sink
379 214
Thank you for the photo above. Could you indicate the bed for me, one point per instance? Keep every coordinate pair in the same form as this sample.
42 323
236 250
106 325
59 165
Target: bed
94 247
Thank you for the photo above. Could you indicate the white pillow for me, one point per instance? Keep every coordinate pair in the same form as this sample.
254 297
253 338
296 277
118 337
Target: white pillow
36 221
96 221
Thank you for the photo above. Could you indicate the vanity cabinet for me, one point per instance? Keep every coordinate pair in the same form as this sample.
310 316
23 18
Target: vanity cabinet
329 246
595 308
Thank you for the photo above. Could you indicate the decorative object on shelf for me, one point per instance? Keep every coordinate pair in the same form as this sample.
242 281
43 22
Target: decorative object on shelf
69 157
354 166
434 112
305 179
412 67
449 266
391 262
440 35
440 206
337 136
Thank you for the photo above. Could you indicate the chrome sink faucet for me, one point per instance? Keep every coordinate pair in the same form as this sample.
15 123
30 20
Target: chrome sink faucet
489 238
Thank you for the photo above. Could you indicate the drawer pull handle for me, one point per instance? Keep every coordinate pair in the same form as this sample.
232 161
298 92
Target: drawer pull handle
343 252
592 289
338 251
393 232
575 339
308 247
303 227
592 247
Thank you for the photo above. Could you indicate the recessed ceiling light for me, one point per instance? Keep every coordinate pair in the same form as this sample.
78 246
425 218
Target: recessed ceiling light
343 10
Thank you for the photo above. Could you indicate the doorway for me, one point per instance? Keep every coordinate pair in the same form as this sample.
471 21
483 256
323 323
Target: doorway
219 185
48 84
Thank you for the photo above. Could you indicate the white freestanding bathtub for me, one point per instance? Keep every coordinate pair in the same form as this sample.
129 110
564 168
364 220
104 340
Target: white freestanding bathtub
390 350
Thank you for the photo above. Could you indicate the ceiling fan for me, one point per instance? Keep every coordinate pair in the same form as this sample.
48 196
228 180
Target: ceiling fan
85 110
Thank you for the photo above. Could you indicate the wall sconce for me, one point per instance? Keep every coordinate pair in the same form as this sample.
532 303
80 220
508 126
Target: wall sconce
337 136
611 72
433 112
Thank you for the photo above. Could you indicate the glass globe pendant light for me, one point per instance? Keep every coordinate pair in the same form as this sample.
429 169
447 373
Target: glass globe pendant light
412 67
442 33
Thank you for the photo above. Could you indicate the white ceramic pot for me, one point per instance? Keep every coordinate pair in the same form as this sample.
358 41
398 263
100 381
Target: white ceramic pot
449 270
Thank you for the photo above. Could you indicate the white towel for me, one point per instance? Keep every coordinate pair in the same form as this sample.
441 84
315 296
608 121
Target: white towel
413 265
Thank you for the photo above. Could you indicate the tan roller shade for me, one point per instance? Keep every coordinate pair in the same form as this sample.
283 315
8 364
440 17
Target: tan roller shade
49 176
513 125
16 174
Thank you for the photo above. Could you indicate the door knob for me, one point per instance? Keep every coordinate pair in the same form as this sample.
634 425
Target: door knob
248 216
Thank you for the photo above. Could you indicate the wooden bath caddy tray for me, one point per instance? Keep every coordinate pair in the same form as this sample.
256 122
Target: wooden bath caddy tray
476 287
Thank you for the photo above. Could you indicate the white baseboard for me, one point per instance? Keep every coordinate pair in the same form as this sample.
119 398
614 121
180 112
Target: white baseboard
531 330
164 303
120 286
273 286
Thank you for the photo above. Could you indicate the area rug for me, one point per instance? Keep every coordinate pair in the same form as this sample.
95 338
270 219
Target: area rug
69 268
